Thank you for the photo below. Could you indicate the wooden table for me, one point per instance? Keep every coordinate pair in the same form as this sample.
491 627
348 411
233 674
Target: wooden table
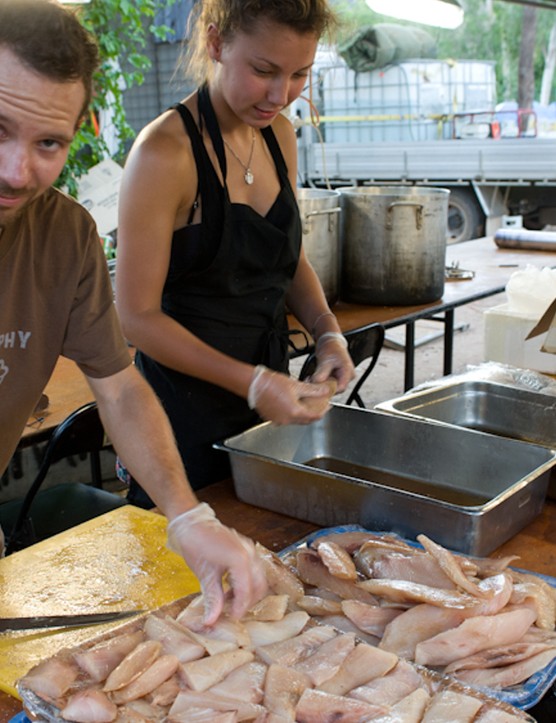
536 544
67 389
492 266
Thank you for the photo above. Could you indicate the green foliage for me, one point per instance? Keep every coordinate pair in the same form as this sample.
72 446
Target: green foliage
490 31
496 36
121 28
353 15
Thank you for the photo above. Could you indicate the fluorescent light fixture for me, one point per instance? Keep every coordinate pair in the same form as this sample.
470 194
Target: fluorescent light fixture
440 13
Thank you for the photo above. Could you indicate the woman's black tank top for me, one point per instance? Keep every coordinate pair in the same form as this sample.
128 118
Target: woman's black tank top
226 283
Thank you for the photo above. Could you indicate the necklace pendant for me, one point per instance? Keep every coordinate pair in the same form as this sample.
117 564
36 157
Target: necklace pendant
248 177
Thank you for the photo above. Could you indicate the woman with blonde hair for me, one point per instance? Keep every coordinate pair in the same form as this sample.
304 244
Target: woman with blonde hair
209 238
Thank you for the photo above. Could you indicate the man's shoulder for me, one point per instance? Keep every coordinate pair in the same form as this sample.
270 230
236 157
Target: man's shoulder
55 198
57 212
59 226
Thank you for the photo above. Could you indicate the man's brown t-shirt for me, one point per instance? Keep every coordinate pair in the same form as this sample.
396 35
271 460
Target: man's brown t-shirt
55 298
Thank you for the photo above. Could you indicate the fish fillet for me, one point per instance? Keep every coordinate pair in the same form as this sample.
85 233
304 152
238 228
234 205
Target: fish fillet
361 665
449 705
206 672
315 706
473 635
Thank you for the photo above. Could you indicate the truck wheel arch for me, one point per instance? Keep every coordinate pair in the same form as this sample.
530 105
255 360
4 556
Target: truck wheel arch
466 219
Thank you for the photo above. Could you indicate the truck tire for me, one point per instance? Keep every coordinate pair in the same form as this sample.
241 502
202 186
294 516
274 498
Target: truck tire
465 217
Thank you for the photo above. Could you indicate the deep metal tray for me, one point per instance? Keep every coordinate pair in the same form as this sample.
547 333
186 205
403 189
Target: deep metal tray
467 490
486 406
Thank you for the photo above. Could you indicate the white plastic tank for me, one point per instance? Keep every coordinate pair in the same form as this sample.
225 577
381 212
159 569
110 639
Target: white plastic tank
407 99
472 85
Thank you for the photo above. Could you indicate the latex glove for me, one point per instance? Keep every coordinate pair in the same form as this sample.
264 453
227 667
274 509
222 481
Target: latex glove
281 399
333 360
212 551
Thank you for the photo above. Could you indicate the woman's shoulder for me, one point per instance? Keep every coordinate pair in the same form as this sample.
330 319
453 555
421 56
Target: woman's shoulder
165 134
284 133
283 127
166 131
163 141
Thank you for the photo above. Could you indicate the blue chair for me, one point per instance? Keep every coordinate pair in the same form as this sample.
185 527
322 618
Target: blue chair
43 513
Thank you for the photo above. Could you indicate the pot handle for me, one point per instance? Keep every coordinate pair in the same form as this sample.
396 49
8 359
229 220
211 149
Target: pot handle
418 213
321 212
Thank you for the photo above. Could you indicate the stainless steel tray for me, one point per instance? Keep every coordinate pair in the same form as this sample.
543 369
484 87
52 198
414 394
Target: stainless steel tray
488 407
468 490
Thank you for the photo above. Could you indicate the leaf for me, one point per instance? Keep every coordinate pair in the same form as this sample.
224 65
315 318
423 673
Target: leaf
121 30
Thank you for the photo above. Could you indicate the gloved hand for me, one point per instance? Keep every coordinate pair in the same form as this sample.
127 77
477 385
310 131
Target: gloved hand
212 550
279 398
333 360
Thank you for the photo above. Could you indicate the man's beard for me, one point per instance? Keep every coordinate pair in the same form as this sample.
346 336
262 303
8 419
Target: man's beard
10 215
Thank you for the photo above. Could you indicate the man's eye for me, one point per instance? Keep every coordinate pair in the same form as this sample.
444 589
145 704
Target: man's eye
50 144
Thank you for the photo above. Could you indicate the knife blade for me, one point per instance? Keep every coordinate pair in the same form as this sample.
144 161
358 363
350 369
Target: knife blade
62 621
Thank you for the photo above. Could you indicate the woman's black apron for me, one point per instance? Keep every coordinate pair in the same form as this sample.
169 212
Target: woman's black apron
226 283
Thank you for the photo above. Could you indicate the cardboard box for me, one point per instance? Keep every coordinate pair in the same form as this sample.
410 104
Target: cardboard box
547 327
98 192
506 340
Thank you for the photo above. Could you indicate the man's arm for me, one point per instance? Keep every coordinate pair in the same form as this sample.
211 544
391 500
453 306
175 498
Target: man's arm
140 432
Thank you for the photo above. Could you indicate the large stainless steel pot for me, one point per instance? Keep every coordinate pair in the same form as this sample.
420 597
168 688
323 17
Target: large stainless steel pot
393 243
320 209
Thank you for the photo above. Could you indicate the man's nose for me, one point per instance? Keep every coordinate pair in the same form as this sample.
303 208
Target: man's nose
16 168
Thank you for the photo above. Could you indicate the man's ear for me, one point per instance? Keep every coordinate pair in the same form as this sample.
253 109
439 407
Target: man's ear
214 42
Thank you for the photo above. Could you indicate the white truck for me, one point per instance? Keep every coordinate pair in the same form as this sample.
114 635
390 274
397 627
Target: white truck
428 122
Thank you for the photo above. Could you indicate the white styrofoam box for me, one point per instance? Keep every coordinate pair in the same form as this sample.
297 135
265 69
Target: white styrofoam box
505 340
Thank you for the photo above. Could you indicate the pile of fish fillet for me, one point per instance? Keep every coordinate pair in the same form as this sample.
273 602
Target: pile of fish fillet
356 627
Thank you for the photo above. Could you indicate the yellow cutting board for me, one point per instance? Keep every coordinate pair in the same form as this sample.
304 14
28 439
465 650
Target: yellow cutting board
118 561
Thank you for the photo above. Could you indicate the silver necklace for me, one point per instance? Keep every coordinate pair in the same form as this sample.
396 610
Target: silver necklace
248 175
